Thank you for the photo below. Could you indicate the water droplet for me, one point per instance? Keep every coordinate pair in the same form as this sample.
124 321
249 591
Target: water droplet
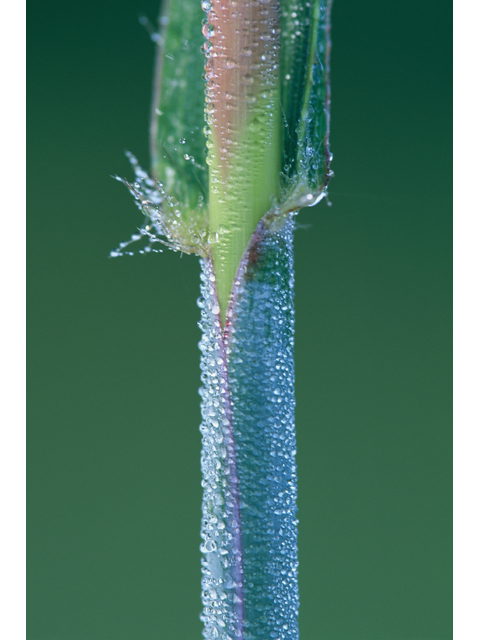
208 31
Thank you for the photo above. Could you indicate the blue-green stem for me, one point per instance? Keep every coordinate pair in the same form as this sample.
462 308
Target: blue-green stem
249 583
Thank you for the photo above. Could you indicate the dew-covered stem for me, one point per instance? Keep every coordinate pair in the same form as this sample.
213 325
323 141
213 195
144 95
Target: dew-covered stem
261 97
249 522
244 127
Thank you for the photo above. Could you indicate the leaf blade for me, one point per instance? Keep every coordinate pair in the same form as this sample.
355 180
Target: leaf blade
177 139
305 95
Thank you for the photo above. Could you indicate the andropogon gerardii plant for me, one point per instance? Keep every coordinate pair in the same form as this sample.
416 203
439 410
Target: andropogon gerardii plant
239 143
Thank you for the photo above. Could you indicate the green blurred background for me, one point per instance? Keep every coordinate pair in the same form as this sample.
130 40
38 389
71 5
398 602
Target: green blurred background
114 447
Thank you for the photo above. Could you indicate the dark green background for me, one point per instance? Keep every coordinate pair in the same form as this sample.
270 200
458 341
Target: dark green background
114 446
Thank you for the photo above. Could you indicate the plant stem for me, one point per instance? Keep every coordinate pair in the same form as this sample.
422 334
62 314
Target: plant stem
267 124
249 584
243 116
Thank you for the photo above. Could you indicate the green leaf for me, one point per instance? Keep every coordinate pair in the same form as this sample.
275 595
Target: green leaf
305 98
177 137
261 96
